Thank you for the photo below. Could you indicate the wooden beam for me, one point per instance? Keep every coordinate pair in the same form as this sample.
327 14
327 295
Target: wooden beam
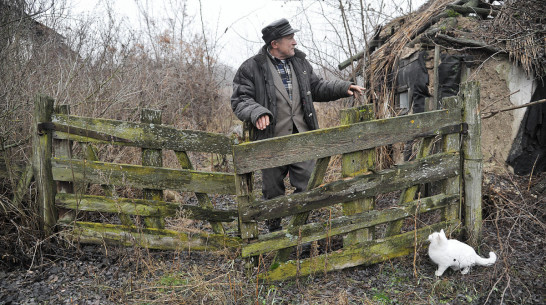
452 143
367 253
22 186
322 143
143 176
150 238
353 164
152 157
433 168
472 10
140 207
472 154
343 225
468 42
145 135
41 164
63 149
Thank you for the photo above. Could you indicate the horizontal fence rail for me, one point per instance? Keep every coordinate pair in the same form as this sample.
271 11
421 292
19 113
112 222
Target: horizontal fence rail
151 238
344 224
65 177
142 176
365 253
145 135
140 207
322 143
433 168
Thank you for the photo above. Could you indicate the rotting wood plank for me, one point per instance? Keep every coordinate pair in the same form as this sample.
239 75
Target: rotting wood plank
432 168
83 129
472 166
41 164
452 143
143 176
63 149
141 207
353 164
248 157
344 224
366 253
152 157
151 238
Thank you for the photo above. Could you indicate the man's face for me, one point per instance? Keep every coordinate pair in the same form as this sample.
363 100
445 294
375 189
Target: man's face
284 47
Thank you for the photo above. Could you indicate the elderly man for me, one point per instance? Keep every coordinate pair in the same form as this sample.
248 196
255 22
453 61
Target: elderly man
275 91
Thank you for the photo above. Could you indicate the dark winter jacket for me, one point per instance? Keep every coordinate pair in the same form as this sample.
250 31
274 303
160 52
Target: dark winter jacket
254 92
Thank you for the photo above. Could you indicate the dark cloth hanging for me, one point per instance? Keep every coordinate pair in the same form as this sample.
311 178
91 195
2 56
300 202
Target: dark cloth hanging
528 152
414 75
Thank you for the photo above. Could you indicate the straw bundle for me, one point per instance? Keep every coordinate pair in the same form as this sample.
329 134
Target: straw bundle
521 26
380 69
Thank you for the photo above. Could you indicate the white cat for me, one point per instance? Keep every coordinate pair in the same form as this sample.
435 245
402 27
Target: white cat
455 254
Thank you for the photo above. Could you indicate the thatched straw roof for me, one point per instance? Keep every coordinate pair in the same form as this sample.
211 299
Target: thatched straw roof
513 27
520 29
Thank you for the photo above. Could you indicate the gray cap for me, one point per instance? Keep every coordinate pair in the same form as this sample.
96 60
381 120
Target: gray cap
276 30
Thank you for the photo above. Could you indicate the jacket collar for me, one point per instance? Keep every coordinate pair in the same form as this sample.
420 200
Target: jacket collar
261 57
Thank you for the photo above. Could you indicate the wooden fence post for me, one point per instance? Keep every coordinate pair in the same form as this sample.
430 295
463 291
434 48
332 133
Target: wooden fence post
353 164
41 163
472 162
248 230
452 142
152 157
63 149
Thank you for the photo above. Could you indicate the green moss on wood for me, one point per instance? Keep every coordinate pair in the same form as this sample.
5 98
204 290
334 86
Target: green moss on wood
141 207
365 253
146 135
343 139
151 238
343 225
142 176
432 168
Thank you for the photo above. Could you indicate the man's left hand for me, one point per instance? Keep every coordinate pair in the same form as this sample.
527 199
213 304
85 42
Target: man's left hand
355 89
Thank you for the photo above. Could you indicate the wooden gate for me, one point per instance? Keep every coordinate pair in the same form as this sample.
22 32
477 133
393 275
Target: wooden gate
58 173
370 235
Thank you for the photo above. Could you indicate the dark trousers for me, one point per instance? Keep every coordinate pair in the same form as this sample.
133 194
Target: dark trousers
273 183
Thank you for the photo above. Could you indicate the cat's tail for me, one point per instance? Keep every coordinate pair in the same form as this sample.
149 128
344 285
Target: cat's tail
487 261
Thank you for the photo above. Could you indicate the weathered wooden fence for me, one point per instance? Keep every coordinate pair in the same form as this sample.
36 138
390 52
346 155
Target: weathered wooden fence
356 142
370 235
57 173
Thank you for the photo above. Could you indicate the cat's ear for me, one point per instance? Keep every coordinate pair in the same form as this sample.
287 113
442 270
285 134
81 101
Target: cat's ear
442 232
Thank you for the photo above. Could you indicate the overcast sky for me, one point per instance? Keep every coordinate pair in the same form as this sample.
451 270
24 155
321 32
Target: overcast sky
235 24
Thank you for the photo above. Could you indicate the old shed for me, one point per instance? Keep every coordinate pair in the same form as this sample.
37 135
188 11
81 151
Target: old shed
414 61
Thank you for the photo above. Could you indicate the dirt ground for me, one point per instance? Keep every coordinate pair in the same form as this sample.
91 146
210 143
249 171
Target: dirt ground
514 227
